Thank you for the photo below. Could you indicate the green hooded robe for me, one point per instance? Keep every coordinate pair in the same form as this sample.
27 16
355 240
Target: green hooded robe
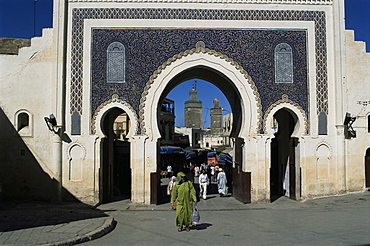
184 194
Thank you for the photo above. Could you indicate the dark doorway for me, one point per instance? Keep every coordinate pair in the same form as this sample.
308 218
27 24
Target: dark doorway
282 181
181 162
367 168
115 171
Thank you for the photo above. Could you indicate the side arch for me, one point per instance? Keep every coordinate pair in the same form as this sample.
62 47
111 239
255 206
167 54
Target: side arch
201 57
76 153
104 108
301 127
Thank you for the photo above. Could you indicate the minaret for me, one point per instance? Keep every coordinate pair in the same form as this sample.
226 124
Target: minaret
193 109
216 118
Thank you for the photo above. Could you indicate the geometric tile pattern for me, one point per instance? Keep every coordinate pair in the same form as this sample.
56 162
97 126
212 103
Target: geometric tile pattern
116 63
283 63
80 14
312 2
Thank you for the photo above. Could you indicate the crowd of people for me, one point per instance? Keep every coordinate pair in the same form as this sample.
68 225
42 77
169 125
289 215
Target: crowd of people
183 194
206 175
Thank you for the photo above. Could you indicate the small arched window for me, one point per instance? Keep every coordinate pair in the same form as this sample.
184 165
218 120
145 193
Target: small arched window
116 63
283 63
23 123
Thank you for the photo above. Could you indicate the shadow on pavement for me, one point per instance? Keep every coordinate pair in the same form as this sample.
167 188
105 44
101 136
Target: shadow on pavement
201 226
17 215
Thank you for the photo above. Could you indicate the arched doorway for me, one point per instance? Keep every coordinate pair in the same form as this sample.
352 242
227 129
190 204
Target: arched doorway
283 168
233 98
227 87
115 171
229 77
367 168
193 124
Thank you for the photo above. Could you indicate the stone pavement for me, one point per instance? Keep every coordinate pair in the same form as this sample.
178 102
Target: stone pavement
68 223
40 223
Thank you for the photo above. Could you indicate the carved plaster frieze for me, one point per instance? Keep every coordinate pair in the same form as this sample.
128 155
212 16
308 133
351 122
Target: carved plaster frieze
199 49
308 2
114 99
285 99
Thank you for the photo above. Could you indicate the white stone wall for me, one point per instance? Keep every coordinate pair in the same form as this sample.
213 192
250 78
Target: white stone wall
27 86
356 95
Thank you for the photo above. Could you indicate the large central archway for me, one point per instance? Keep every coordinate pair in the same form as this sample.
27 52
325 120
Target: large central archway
211 66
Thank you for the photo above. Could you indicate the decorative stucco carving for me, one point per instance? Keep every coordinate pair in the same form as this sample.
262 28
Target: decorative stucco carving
310 2
74 145
285 100
323 144
114 99
199 49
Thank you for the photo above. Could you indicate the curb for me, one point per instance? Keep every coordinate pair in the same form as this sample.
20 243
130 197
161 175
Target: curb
107 227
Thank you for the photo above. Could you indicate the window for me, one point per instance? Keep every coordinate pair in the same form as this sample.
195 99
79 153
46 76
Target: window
23 123
283 63
323 122
116 63
368 124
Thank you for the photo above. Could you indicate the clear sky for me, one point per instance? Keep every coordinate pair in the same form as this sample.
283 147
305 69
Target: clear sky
26 18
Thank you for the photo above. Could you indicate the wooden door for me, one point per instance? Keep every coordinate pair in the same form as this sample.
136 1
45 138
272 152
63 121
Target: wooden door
367 170
241 180
292 168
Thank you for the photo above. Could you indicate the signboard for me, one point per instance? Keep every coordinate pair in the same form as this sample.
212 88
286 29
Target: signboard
212 161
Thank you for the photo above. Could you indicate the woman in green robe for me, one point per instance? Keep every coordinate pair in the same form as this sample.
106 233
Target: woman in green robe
184 195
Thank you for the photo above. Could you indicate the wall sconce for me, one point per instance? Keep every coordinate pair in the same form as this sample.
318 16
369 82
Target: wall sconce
51 122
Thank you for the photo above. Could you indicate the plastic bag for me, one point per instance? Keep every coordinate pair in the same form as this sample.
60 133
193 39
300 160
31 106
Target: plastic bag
196 215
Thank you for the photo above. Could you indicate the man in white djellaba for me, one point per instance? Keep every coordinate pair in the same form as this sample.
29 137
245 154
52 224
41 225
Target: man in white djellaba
203 182
221 182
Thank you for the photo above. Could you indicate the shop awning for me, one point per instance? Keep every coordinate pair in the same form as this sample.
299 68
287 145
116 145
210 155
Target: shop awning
225 157
211 154
189 154
169 150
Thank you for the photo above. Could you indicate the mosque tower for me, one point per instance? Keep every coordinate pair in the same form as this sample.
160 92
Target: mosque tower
216 118
193 109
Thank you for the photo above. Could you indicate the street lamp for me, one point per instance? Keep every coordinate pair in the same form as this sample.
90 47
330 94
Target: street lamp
348 130
51 122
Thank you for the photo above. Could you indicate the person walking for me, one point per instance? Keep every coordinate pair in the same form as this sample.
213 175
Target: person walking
221 182
170 186
169 170
203 183
196 170
184 195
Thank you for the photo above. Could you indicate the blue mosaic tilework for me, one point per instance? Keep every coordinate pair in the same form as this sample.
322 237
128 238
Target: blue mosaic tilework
79 15
146 49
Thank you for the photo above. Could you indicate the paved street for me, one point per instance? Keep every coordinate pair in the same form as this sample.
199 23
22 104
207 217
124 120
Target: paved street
342 220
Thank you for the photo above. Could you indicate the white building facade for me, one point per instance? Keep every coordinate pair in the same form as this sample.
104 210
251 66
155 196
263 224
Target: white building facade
288 68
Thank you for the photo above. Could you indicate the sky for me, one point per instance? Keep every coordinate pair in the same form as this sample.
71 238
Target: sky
26 18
